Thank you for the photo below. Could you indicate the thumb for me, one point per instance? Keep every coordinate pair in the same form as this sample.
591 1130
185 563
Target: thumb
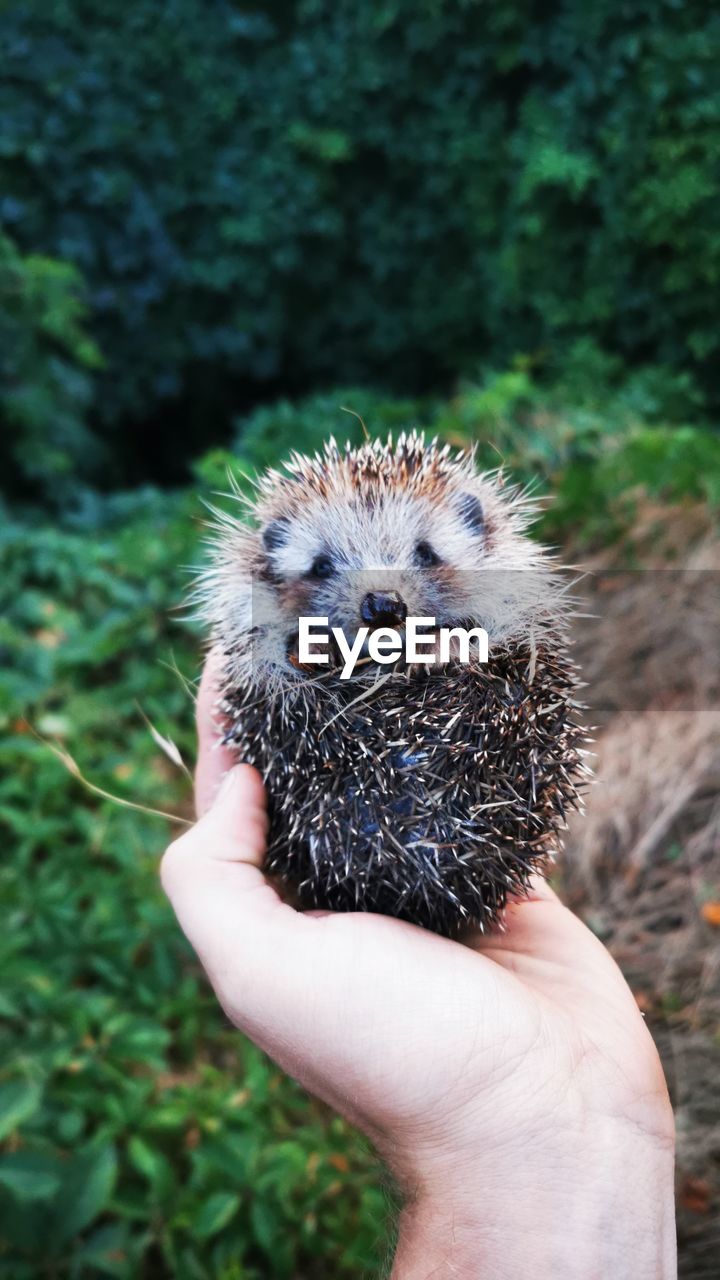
235 828
260 955
212 874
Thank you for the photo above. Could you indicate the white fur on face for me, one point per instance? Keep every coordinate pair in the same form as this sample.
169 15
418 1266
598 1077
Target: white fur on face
385 536
501 579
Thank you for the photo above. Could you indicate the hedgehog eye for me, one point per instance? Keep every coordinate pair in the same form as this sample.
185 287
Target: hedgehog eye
425 556
321 567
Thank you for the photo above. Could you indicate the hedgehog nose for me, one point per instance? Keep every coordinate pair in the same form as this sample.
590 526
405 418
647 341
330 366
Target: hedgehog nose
383 609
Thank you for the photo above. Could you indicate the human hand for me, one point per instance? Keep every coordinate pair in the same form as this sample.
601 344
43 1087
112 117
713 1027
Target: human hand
508 1081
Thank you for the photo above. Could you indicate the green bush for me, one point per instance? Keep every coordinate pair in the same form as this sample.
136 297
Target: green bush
46 367
595 459
311 193
140 1136
592 454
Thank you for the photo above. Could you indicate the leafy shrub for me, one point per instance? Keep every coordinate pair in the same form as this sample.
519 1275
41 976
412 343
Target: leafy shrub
311 193
593 458
271 433
142 1136
46 367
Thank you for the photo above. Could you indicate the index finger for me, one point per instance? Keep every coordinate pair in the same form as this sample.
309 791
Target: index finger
214 759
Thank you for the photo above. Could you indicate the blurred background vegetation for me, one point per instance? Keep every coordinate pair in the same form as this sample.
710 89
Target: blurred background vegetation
220 225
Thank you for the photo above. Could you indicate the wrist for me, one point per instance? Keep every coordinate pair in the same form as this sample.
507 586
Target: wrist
597 1209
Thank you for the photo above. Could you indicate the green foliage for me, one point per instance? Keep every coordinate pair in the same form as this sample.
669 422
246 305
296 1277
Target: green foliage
46 366
271 433
141 1136
592 454
311 193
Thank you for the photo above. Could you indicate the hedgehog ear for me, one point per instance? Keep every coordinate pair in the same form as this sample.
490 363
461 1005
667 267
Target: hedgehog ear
275 534
469 508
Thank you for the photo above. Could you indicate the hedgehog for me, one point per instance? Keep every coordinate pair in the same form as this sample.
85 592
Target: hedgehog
430 790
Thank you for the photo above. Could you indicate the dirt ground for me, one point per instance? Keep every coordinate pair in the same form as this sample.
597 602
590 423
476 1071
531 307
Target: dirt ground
642 865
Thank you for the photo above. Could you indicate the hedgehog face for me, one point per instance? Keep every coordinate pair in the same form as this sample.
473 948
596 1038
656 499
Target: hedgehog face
368 537
374 564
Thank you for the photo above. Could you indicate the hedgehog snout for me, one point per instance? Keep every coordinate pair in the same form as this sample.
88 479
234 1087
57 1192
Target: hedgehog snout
383 609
